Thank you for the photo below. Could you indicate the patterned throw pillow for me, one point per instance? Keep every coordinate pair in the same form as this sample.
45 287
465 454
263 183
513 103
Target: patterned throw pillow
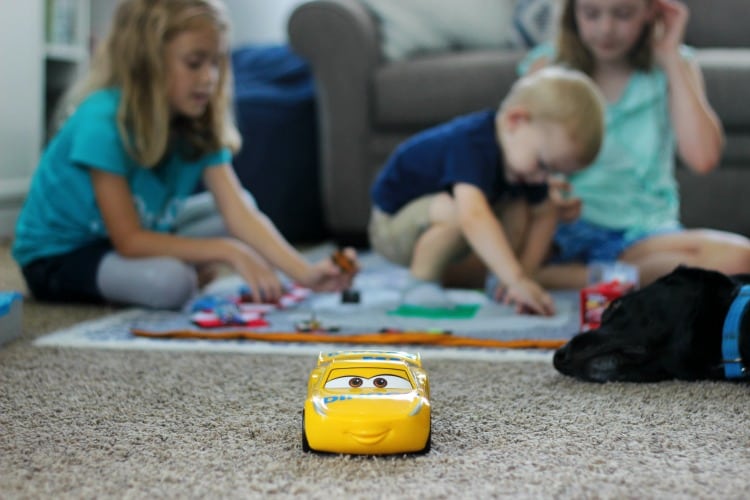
409 27
534 21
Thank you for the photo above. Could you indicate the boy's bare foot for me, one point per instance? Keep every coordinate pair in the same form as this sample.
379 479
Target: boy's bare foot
426 294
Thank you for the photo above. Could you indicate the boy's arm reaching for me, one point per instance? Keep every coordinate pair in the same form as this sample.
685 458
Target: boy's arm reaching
486 236
539 236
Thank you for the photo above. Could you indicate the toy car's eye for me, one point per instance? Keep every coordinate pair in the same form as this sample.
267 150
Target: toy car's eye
379 382
391 381
345 383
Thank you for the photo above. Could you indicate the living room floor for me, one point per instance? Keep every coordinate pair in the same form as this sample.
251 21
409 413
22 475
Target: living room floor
100 423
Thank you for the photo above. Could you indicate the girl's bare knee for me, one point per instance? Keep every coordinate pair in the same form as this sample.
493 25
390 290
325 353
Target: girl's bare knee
735 262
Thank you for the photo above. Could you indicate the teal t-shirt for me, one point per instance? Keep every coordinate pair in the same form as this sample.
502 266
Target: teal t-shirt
630 185
60 213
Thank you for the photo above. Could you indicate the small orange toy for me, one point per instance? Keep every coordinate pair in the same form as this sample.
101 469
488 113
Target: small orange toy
343 262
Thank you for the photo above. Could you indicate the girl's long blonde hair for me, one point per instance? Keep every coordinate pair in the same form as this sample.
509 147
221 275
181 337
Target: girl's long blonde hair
572 52
131 58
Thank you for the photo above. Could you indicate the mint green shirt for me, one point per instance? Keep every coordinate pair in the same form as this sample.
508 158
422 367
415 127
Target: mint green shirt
631 184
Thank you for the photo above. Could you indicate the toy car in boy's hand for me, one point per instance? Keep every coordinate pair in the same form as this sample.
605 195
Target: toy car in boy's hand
367 403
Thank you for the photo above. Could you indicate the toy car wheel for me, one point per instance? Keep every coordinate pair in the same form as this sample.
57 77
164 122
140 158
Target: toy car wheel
305 444
428 444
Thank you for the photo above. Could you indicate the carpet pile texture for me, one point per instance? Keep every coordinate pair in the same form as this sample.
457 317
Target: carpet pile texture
131 424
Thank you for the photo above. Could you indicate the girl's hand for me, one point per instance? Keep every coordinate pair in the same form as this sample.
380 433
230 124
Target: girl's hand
263 281
326 276
568 208
528 297
670 20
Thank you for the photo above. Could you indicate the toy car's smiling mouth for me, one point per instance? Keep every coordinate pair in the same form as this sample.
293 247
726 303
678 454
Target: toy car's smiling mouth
369 437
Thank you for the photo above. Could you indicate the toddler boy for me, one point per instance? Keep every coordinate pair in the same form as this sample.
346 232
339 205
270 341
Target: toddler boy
444 191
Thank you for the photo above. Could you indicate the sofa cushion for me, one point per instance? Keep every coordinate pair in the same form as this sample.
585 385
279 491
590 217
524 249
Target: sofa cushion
409 27
717 200
737 150
727 73
433 89
718 23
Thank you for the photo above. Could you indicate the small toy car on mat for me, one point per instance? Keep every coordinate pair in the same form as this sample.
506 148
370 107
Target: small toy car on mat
367 403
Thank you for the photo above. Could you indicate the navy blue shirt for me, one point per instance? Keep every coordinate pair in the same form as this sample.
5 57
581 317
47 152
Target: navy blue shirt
463 150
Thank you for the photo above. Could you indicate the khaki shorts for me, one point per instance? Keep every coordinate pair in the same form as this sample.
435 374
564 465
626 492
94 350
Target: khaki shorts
394 236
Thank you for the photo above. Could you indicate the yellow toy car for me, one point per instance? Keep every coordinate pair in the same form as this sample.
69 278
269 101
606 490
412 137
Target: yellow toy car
367 403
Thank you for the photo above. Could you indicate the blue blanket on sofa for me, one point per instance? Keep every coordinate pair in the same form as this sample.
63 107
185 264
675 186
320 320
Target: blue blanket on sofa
278 162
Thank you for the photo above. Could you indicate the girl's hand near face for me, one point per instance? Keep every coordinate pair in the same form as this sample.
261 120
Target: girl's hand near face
671 18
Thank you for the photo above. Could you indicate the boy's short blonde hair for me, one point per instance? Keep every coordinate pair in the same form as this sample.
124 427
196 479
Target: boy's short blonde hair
565 96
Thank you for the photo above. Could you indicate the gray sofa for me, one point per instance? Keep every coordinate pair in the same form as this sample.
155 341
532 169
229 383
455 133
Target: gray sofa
367 105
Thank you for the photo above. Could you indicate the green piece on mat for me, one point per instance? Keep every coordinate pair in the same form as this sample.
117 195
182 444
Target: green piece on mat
461 311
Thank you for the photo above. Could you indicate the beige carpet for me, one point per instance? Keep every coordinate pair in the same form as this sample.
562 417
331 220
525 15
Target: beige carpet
94 424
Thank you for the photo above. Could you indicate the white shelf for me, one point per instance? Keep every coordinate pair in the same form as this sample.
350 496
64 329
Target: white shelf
75 54
21 97
35 75
66 52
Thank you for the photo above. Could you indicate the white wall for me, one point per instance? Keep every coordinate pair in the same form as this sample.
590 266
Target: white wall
102 12
260 21
253 21
21 94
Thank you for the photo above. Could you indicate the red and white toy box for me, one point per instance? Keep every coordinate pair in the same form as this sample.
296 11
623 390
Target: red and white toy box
595 299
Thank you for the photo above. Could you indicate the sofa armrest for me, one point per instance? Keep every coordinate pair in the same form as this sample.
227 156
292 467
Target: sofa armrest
340 40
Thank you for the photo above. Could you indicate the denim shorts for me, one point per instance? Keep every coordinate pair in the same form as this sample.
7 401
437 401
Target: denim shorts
584 242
